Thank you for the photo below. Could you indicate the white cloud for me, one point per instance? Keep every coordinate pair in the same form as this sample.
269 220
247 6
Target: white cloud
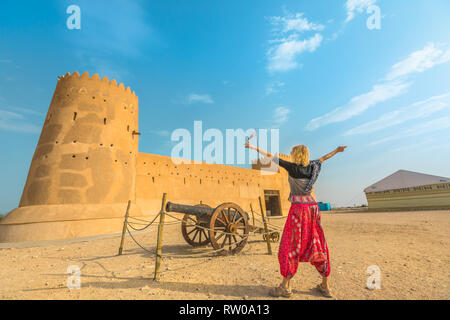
199 98
283 56
422 128
353 6
418 110
287 45
420 61
280 116
394 84
12 121
359 104
295 22
274 88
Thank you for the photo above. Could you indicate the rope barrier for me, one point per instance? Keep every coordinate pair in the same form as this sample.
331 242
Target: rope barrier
277 218
192 255
152 252
225 247
129 224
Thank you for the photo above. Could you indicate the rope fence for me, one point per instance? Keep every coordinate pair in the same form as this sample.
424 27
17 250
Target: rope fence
252 230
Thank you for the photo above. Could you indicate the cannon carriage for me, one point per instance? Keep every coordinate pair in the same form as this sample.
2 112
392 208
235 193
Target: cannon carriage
225 227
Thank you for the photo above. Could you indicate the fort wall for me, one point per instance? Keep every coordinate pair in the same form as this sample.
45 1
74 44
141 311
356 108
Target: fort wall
212 184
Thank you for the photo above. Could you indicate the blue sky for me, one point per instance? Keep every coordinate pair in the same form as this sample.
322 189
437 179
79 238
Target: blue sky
313 69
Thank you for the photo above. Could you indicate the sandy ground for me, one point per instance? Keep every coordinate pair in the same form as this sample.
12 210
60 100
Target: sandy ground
412 250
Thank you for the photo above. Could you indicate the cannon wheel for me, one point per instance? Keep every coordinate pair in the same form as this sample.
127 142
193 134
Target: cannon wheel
229 218
192 233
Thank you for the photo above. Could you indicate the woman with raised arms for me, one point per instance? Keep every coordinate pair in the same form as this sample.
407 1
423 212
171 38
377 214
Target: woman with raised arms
303 239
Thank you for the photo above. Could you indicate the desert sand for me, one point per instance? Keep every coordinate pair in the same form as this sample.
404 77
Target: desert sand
412 250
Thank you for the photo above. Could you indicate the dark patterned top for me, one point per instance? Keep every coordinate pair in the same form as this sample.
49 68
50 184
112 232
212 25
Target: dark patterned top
301 179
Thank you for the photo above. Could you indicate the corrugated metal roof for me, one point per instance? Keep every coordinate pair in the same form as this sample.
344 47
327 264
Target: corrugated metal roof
405 179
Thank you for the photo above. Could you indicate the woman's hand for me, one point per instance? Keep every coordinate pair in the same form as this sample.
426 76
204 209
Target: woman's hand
331 154
249 146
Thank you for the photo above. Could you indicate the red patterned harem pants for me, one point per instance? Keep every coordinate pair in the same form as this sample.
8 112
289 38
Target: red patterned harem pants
303 239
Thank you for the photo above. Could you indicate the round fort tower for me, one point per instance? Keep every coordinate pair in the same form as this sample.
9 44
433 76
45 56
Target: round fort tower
84 166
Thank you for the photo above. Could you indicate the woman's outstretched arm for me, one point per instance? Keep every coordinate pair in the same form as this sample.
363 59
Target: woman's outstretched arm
259 150
331 154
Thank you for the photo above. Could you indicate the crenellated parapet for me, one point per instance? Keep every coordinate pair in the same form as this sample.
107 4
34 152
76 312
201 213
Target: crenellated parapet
284 156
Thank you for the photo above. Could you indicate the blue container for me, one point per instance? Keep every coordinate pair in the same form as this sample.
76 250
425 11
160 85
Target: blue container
324 206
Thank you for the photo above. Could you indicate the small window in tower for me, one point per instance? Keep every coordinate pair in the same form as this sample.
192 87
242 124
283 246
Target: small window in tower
104 121
74 116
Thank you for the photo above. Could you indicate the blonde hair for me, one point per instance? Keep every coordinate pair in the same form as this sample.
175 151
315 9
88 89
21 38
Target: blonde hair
300 155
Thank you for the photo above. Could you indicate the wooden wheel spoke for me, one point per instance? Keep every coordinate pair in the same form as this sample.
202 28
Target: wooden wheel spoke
204 233
240 235
220 236
225 216
235 215
224 240
190 225
195 234
189 218
236 222
191 231
223 223
200 235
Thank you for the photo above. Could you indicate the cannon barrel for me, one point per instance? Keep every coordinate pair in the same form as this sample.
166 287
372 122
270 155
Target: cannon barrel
186 209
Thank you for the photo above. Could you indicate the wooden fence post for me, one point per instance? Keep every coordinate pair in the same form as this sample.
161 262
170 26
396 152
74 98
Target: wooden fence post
253 213
160 238
125 222
266 230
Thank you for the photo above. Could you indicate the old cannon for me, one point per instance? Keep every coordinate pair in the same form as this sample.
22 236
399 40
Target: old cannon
225 227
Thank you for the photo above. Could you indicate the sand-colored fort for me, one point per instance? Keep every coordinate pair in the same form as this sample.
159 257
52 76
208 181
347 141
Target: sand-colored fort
87 165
